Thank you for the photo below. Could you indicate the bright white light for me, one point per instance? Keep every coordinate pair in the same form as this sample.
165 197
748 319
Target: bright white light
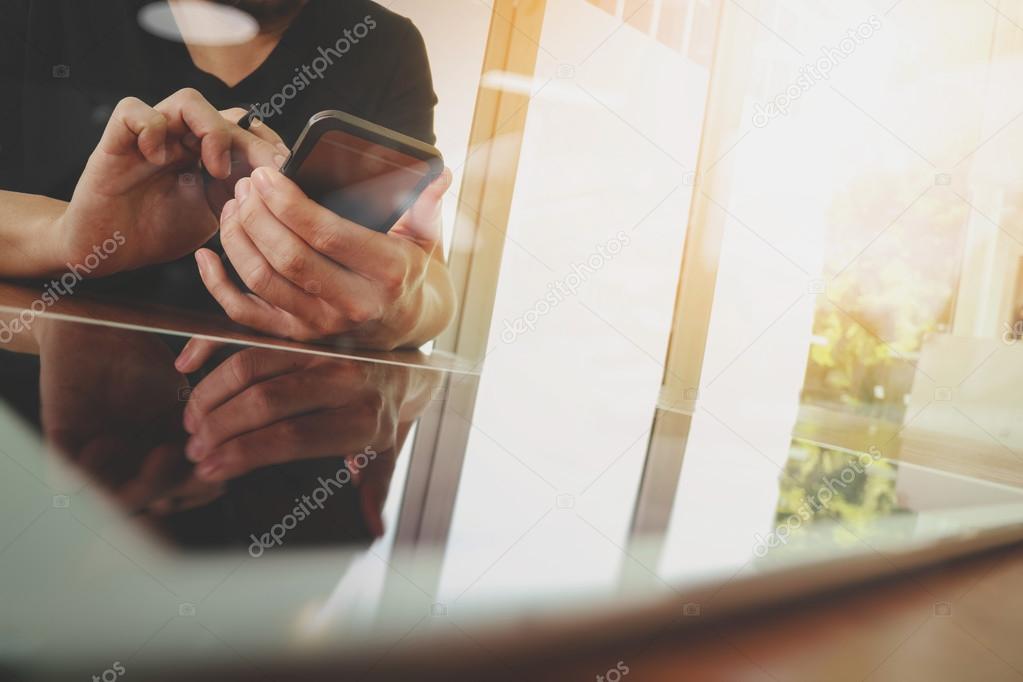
552 89
203 23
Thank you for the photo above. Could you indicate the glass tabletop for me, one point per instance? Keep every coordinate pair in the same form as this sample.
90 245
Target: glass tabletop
273 505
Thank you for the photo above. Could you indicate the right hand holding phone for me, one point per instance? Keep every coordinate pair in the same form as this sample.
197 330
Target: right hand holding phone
313 274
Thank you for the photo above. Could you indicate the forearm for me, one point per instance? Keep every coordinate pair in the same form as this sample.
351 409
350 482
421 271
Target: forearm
16 336
28 227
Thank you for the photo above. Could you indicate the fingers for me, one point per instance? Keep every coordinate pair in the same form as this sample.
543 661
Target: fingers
237 305
257 127
314 240
340 240
189 114
258 150
136 125
184 124
266 133
323 434
247 309
388 264
187 111
260 129
234 114
259 276
233 376
352 298
160 468
257 406
191 494
267 402
259 145
196 353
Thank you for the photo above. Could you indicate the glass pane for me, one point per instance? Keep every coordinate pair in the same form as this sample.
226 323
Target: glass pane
588 276
456 73
867 301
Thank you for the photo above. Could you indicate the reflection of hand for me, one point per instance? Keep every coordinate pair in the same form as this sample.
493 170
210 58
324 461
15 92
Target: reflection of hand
264 407
313 274
97 383
133 189
159 482
110 401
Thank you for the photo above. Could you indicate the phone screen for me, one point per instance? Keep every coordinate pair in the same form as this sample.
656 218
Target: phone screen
362 181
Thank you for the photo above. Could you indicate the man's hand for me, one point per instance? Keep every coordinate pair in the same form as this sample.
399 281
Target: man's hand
142 186
314 275
262 408
117 413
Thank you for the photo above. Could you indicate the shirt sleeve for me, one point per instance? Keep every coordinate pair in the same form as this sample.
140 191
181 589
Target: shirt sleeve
408 101
13 27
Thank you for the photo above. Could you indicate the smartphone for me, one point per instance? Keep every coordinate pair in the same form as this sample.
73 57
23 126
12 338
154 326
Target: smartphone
361 171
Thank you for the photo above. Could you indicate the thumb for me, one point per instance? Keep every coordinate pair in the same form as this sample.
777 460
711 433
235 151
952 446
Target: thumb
435 190
421 223
195 354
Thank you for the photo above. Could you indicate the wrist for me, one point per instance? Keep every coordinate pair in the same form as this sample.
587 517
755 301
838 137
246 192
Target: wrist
30 235
47 247
86 255
408 322
55 247
392 331
430 310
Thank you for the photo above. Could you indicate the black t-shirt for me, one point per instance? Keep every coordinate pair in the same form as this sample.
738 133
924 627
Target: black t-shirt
64 65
